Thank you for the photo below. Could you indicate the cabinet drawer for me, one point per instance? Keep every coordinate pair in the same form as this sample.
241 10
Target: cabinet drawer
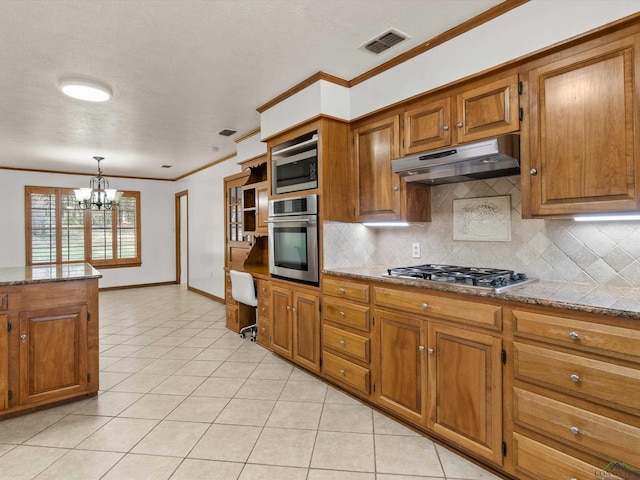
264 333
545 463
578 375
488 316
582 428
348 314
577 333
232 317
4 302
345 289
346 372
264 291
346 343
263 310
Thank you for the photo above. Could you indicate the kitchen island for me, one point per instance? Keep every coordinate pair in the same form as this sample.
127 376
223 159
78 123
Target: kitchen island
48 335
536 382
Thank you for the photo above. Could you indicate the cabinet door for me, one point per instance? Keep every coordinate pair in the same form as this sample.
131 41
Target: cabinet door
4 361
465 389
262 208
281 331
53 353
489 110
427 127
306 330
377 187
583 111
402 376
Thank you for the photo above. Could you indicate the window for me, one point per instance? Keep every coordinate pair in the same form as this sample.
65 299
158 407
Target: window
58 232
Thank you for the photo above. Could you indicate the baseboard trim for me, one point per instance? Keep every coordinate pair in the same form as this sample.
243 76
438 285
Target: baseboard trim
205 294
140 285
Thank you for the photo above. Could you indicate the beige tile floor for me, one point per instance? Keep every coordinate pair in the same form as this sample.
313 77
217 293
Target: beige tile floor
182 397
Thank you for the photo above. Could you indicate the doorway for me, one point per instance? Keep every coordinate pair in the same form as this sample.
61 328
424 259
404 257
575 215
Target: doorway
182 237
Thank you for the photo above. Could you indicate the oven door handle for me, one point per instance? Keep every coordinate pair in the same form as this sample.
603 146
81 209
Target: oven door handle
284 220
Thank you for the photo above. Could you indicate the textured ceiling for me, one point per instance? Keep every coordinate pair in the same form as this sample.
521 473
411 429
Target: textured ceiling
180 70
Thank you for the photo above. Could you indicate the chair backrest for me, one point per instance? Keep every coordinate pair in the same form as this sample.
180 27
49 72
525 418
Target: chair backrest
243 289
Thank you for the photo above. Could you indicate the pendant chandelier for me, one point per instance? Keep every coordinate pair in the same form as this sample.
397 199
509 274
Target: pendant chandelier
98 196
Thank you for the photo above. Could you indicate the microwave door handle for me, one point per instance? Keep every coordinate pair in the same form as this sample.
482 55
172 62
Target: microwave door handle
284 220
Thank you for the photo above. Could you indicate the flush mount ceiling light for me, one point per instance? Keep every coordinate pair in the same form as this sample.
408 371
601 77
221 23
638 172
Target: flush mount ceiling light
84 89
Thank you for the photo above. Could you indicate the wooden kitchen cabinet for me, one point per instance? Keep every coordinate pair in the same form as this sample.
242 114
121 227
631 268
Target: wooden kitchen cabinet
465 389
401 384
264 313
4 361
295 324
482 110
48 342
53 353
379 193
347 345
583 142
575 383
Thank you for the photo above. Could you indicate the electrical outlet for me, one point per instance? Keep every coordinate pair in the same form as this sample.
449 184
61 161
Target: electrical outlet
415 250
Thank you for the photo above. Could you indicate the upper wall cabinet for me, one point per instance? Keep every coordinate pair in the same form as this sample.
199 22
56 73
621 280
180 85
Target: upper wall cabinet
583 145
380 194
485 109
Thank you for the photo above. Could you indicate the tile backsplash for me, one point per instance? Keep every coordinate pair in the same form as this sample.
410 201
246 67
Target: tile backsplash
602 253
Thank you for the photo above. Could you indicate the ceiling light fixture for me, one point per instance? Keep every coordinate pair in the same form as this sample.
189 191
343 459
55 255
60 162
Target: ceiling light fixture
99 195
84 89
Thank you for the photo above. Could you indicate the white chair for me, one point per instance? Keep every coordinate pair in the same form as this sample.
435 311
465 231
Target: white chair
243 290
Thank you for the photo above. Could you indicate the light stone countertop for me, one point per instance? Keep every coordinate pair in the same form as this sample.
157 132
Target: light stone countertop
47 273
582 297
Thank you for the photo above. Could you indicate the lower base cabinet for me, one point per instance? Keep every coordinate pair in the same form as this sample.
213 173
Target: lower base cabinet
401 384
48 344
295 324
465 389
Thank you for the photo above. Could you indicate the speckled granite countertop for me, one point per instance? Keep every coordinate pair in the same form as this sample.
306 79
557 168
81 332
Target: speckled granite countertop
47 273
615 301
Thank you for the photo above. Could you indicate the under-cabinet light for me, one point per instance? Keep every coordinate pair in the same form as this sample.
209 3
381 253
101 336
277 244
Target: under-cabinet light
607 218
385 224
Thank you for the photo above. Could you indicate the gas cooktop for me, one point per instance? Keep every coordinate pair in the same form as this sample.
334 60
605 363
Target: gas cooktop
495 279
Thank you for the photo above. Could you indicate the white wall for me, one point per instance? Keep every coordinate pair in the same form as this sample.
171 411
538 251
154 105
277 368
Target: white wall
157 221
206 218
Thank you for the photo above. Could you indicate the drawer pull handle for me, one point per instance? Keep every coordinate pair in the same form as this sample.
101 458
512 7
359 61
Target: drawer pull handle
342 342
425 305
575 378
342 372
341 314
430 351
288 307
421 348
23 337
574 335
341 290
575 430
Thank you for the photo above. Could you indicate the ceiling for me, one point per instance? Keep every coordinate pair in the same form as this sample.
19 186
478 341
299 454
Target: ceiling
180 71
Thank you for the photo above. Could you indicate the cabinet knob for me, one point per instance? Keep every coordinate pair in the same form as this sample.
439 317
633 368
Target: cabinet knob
294 310
575 430
575 378
396 188
459 124
342 372
574 335
425 306
445 127
430 351
341 290
23 337
421 348
533 171
342 342
288 307
341 314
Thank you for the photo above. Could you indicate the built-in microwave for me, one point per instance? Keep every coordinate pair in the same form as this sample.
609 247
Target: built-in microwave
293 239
294 165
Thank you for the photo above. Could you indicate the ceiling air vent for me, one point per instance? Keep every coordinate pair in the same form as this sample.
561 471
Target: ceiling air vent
384 41
227 132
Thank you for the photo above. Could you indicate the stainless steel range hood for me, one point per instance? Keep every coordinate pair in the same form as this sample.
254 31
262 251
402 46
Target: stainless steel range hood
496 157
